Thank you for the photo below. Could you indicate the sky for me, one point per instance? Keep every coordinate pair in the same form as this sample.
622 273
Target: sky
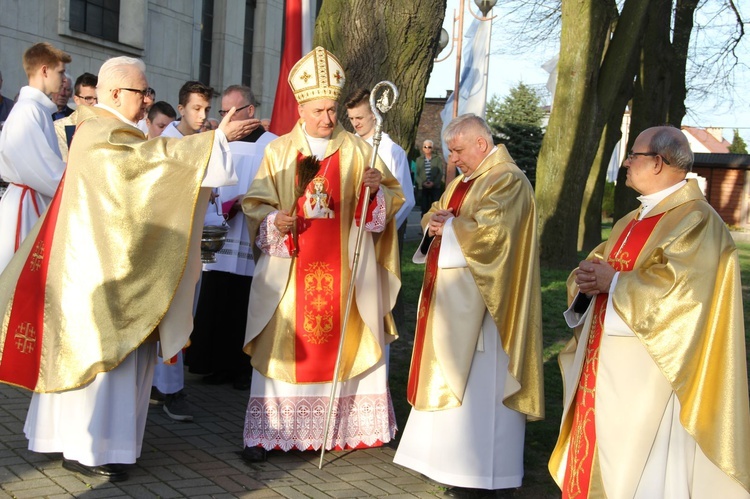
509 67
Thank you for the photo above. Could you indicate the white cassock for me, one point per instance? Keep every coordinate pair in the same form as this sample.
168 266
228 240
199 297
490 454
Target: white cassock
395 159
104 422
479 444
29 158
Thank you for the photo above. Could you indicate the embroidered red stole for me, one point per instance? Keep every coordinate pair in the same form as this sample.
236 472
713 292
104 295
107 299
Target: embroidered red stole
318 276
582 447
22 349
428 289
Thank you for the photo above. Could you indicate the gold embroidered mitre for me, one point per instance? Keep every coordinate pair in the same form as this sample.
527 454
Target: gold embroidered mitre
318 75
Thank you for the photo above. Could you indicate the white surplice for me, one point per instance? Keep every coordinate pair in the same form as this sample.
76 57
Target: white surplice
236 257
86 425
479 444
395 159
29 156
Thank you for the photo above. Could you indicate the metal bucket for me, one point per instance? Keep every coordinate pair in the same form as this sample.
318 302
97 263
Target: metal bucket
213 239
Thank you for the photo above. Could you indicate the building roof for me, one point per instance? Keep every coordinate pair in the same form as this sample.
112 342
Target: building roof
719 160
704 141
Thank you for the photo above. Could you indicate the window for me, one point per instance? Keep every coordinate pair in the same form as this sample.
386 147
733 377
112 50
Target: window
99 18
247 49
207 34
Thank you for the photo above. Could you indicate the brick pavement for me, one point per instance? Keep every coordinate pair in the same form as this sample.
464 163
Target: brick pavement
201 460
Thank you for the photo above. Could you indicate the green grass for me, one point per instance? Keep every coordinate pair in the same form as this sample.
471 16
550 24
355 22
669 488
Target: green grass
542 435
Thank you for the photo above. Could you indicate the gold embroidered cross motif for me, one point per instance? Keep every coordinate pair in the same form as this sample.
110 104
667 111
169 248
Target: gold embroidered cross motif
37 255
25 338
318 327
338 76
319 302
305 76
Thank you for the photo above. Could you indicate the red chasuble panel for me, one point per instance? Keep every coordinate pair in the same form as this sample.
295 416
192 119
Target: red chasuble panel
582 447
318 275
23 341
428 290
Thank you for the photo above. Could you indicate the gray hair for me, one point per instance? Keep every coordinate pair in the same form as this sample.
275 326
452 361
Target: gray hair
672 145
116 69
245 91
467 123
425 141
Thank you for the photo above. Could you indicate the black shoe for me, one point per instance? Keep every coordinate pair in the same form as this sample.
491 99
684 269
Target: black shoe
109 472
466 493
254 454
177 407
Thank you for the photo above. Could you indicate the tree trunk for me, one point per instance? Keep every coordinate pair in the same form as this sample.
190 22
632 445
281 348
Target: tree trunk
659 91
586 94
683 28
377 41
590 228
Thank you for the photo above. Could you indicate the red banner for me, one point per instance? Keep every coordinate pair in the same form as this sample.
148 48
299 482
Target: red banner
285 113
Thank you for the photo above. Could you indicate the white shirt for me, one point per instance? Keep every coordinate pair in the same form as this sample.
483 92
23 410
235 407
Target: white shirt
395 159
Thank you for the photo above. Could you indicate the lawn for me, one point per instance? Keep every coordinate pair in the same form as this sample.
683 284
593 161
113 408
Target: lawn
541 435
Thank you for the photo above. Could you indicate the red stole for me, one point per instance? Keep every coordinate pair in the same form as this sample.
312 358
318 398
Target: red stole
582 446
428 289
318 277
22 349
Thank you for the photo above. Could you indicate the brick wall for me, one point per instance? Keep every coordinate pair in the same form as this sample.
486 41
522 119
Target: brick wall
430 123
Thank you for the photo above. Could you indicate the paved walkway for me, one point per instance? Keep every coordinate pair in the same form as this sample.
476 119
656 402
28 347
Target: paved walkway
200 459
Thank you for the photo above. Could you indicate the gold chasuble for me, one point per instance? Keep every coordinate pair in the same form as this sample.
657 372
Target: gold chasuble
496 231
297 304
98 272
679 291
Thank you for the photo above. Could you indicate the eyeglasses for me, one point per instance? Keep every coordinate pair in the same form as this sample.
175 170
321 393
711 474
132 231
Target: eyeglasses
223 112
426 147
144 93
632 155
88 99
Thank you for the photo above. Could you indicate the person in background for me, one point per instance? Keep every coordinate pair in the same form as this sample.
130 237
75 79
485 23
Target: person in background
6 104
158 118
29 154
84 95
221 315
62 98
169 376
429 176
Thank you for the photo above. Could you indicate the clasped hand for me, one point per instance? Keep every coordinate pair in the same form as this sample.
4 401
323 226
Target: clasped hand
437 221
284 222
594 276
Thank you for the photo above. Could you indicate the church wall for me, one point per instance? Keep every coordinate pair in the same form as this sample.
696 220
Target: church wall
164 33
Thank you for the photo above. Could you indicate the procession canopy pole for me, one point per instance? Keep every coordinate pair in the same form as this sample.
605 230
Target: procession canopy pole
378 104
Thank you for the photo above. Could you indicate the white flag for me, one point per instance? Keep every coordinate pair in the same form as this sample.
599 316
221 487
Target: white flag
472 91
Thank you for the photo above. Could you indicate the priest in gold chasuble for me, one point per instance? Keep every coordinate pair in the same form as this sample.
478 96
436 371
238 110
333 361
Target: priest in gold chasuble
304 242
101 274
476 369
656 394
